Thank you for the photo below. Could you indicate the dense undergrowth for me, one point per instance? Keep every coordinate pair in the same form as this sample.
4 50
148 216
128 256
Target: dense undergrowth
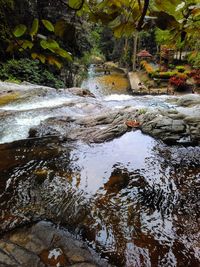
30 71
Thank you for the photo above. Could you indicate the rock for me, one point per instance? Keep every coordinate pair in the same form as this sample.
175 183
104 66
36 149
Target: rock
80 92
44 244
167 129
90 129
188 100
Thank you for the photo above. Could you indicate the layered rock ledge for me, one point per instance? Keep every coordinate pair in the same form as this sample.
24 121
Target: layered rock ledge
179 124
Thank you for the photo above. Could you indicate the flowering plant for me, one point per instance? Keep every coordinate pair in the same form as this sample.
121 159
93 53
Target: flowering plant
177 81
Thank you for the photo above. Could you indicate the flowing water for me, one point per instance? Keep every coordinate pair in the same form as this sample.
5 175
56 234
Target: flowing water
134 199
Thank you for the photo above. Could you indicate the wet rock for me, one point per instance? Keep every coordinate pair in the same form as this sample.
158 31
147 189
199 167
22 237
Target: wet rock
91 129
167 129
188 100
45 245
80 92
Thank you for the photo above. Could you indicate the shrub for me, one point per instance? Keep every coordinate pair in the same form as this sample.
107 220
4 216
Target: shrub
195 74
178 82
194 59
164 75
30 71
180 68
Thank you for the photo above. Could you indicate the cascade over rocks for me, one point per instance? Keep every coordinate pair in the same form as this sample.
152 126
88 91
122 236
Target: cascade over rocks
171 126
81 116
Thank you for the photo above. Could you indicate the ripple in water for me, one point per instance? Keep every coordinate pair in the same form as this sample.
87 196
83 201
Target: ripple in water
128 198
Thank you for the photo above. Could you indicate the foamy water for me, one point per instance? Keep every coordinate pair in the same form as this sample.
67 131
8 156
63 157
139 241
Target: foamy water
37 103
18 128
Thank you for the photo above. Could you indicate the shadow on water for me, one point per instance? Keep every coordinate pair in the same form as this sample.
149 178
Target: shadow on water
129 198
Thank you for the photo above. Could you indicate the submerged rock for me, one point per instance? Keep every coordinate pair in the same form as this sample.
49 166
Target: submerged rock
44 244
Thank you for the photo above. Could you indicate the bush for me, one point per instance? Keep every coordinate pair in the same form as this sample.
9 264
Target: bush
195 74
163 75
30 71
194 59
180 68
178 82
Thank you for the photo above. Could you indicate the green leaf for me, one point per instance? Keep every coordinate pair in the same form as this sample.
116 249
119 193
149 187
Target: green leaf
48 25
34 28
27 44
19 30
54 61
60 28
49 44
41 57
75 3
63 53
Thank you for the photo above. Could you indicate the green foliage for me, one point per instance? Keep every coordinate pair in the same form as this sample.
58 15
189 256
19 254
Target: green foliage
194 59
48 25
19 30
76 4
180 68
35 42
34 28
30 71
163 75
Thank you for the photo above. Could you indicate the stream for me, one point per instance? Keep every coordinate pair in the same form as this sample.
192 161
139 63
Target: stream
134 199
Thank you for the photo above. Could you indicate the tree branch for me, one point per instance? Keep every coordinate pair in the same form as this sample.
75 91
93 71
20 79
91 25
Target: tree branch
144 12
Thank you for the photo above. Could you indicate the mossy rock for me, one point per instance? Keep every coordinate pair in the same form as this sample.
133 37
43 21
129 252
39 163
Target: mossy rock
8 98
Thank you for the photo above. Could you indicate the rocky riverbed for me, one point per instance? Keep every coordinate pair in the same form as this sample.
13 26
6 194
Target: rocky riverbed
83 163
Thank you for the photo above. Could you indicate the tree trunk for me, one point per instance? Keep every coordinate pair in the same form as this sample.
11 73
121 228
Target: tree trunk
135 50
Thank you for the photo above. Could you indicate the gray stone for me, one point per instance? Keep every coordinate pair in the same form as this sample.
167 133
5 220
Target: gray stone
35 246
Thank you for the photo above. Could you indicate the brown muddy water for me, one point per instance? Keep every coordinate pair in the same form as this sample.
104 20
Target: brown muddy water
133 199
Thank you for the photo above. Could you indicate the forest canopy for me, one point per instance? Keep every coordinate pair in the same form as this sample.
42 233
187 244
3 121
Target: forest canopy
42 36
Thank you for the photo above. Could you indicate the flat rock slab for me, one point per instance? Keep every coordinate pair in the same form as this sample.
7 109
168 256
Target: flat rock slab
43 245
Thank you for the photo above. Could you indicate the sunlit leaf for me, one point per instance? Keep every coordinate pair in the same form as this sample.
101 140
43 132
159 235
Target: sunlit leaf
54 61
49 44
48 25
63 53
180 6
27 44
75 3
19 30
34 28
41 57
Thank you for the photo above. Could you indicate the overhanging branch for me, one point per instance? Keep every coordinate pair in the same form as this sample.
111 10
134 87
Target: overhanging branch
144 12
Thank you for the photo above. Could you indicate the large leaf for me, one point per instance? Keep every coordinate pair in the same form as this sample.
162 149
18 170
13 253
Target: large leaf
19 30
165 21
34 28
48 25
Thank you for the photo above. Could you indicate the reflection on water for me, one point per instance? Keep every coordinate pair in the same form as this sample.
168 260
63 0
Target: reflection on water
128 198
